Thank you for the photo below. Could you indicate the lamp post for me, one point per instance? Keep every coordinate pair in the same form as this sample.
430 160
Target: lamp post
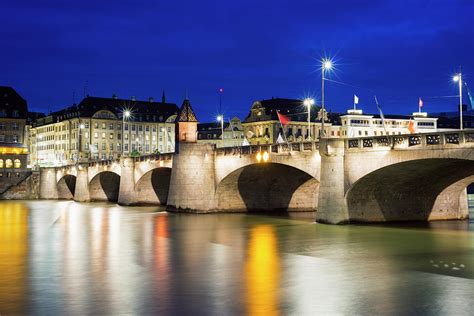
81 127
126 115
220 118
308 102
458 78
326 65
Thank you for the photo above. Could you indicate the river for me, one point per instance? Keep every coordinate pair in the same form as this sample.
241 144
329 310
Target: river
62 257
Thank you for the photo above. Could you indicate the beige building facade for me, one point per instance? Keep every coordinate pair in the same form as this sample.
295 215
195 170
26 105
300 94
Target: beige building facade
97 129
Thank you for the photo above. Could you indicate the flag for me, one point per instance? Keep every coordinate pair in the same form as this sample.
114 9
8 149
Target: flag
381 113
245 142
471 99
280 139
411 127
356 100
249 134
284 120
420 103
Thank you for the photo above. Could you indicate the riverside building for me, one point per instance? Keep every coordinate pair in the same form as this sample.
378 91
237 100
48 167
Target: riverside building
103 128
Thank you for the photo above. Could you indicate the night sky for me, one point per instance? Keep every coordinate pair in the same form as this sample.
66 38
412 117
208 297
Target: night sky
398 50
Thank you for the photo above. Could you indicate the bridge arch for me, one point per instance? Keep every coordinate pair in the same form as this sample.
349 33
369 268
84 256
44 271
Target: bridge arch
267 186
153 186
411 190
104 186
66 187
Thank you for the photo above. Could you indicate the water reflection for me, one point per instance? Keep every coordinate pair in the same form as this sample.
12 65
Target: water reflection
262 272
13 257
69 258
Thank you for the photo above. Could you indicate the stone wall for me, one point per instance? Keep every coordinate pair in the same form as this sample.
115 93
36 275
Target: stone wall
26 189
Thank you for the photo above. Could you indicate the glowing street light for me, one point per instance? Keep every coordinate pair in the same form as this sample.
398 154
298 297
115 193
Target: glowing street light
126 115
458 78
308 102
326 65
220 118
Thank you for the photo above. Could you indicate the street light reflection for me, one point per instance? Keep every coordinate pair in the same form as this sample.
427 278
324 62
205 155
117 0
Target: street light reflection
262 272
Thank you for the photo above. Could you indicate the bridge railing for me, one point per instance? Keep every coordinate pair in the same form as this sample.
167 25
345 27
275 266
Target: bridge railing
412 140
270 148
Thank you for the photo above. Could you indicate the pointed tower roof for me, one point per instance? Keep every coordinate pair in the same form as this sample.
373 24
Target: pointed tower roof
186 113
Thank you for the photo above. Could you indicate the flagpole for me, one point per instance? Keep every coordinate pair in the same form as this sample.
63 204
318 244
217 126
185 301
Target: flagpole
381 114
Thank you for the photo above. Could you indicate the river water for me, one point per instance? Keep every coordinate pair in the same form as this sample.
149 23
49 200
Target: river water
97 258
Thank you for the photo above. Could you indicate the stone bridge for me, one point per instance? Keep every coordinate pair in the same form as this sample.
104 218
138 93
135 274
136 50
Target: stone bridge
395 178
385 178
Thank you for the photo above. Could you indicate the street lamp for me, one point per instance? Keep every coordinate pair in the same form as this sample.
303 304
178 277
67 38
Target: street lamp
220 118
308 102
458 78
81 127
126 115
326 65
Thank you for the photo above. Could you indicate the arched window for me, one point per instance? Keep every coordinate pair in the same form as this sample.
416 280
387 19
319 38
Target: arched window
1 163
17 163
8 163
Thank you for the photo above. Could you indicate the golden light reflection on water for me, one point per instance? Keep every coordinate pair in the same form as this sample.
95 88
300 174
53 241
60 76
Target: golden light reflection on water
13 255
262 272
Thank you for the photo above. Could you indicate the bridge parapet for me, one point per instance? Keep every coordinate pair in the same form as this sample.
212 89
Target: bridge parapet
271 149
412 141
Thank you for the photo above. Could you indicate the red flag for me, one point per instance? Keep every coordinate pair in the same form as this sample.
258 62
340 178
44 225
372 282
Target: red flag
420 103
411 127
284 120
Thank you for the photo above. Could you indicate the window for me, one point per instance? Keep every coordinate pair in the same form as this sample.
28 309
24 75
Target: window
8 163
86 146
111 126
103 146
86 125
17 163
15 138
126 147
86 135
1 163
2 138
140 128
147 128
103 135
103 125
111 146
119 136
125 136
96 135
96 125
126 127
2 126
133 127
15 126
111 135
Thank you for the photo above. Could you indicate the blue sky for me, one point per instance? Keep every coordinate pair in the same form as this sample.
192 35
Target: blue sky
397 50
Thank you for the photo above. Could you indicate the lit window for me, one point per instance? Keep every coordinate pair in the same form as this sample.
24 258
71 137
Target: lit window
17 163
8 163
1 163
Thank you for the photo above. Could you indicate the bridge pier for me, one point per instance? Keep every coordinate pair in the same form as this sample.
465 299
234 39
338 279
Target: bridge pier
127 194
48 184
82 193
332 206
193 181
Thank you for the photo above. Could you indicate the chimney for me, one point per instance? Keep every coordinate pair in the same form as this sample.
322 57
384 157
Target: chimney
114 96
151 100
134 98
